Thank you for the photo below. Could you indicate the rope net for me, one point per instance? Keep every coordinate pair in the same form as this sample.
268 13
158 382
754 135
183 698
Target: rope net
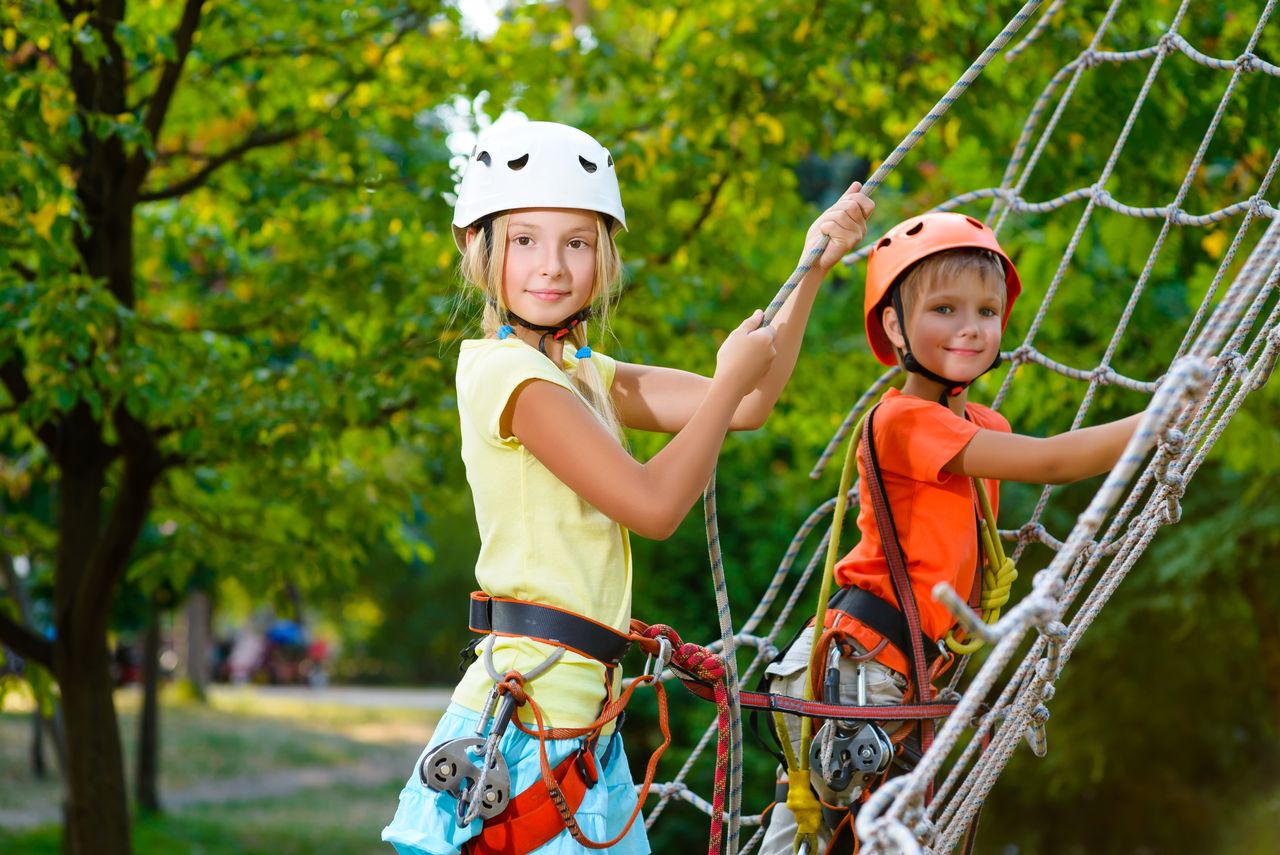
1227 352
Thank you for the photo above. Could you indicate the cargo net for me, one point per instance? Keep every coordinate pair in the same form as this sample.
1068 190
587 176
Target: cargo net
1227 352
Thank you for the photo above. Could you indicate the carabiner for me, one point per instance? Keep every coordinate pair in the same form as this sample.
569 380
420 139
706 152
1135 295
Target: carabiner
663 659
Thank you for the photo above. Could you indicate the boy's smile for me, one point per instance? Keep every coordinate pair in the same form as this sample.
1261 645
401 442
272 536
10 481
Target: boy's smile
954 329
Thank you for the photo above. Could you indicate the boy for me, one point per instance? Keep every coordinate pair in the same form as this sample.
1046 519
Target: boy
939 293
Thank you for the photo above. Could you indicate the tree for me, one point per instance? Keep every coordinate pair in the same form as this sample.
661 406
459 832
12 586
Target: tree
167 349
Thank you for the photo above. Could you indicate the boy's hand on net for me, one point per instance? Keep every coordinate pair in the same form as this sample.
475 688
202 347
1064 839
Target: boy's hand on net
746 355
845 223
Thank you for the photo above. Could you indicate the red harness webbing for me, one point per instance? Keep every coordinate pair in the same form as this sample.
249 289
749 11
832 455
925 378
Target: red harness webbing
898 575
532 818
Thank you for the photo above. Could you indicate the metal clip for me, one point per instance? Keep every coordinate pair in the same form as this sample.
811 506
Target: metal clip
662 660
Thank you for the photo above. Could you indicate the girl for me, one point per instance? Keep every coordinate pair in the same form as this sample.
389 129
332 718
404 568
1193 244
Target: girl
556 493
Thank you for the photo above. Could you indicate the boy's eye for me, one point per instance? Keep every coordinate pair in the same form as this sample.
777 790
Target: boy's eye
989 312
942 310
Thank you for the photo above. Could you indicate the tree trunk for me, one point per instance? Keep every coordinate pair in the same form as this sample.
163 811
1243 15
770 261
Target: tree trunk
199 625
148 793
97 809
38 770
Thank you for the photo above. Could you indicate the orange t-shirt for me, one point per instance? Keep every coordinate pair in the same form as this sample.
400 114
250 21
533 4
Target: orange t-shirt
935 512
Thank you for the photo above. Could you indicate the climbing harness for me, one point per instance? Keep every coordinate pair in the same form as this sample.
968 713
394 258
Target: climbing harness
473 770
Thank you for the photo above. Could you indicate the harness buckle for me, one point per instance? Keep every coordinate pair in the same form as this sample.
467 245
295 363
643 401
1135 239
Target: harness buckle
587 767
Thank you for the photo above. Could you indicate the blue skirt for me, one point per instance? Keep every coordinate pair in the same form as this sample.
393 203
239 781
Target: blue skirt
424 823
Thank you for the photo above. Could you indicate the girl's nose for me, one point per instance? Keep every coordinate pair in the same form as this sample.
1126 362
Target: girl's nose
552 263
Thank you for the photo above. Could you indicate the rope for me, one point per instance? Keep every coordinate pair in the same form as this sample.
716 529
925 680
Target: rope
1135 501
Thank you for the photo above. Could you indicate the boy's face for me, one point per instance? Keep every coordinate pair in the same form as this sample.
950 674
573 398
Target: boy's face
954 326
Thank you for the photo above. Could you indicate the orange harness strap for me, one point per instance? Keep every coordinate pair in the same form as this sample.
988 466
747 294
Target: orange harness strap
532 818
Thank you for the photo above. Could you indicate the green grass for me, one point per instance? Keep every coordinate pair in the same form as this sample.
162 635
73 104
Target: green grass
240 737
337 821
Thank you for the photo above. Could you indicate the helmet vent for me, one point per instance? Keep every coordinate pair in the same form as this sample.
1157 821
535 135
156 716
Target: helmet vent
610 160
519 163
916 229
586 164
883 243
484 158
975 223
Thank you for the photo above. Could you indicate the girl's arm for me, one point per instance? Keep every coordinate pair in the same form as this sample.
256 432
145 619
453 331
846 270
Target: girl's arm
1057 459
648 498
664 399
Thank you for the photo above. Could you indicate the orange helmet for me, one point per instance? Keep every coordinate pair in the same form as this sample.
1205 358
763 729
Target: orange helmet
910 241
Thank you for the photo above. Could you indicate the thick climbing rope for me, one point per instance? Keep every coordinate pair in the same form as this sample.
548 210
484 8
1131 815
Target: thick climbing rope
1231 327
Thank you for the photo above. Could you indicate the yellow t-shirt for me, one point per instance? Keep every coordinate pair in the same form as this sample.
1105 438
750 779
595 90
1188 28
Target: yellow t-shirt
539 540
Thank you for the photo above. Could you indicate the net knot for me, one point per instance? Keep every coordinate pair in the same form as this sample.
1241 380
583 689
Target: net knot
1247 62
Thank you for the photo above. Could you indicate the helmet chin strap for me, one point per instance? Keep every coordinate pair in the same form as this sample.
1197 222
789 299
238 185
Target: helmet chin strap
950 388
556 331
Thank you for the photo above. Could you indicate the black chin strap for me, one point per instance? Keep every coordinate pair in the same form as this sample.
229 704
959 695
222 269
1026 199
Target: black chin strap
556 331
951 388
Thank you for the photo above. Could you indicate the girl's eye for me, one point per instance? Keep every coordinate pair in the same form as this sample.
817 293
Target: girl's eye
578 243
522 240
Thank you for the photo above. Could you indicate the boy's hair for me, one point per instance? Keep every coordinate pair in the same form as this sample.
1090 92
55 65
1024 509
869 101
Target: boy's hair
921 278
482 265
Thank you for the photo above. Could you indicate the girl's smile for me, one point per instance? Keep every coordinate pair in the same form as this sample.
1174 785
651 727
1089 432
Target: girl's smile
550 268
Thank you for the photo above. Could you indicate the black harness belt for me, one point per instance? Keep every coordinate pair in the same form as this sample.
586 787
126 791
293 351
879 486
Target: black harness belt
882 617
521 618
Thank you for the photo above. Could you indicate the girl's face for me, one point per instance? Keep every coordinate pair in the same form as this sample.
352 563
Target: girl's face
550 267
954 327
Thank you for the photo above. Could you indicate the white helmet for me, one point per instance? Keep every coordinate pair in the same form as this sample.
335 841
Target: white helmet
536 165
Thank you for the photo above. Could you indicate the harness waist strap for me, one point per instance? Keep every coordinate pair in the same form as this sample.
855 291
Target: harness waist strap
881 616
541 622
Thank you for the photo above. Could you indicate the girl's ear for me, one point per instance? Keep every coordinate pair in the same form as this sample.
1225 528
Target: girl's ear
892 329
471 233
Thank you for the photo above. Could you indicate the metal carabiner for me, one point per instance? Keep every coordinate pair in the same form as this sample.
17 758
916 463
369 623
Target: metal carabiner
663 659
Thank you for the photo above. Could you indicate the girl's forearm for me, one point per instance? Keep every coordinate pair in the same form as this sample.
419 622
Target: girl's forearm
790 323
677 474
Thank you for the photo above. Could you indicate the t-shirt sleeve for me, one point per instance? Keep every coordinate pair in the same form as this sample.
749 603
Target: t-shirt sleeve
503 371
916 438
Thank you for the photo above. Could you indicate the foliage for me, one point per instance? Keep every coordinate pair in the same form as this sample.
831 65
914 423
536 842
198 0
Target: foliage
289 334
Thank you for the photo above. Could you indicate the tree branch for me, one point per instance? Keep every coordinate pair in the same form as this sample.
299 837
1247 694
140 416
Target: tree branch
696 226
24 642
143 466
313 49
18 636
161 98
258 138
13 376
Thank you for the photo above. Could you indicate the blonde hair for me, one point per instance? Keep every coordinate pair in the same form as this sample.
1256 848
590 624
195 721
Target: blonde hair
932 271
482 267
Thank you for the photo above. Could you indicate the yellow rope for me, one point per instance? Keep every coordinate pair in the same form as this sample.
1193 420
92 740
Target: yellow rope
800 799
997 575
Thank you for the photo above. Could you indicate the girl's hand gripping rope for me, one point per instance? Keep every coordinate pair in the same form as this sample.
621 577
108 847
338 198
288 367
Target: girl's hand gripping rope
746 355
844 224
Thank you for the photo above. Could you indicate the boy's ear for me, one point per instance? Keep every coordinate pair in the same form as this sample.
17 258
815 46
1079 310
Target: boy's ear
892 329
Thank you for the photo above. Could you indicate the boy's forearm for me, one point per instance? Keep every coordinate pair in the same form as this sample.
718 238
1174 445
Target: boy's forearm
1093 450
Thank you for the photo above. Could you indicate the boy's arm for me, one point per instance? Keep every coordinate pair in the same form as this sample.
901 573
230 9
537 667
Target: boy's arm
1057 459
663 399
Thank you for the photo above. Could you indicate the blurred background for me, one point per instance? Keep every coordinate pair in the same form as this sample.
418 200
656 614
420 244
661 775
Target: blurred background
235 535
